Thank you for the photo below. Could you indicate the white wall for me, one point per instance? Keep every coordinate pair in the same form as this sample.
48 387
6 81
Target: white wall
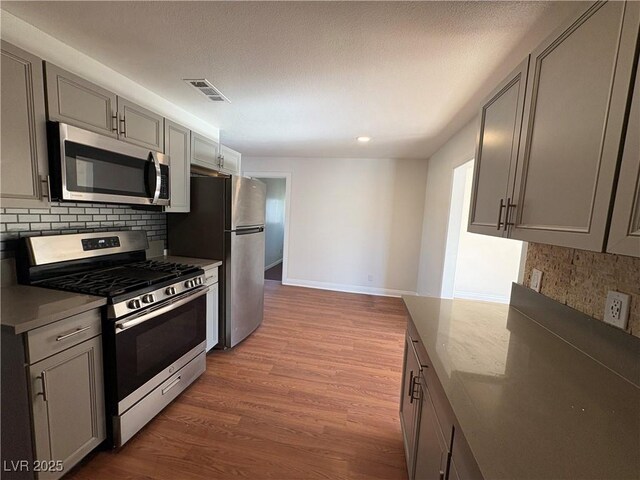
458 150
274 220
37 42
485 266
355 224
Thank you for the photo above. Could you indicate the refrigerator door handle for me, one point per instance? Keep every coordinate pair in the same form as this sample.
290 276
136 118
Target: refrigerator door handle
248 231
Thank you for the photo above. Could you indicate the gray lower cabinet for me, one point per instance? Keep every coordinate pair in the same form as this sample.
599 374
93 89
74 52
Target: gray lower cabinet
23 157
624 233
177 144
432 457
67 401
409 403
76 101
140 126
205 152
574 116
435 446
496 155
213 316
53 411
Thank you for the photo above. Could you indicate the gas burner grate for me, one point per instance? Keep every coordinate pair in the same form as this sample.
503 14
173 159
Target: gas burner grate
166 267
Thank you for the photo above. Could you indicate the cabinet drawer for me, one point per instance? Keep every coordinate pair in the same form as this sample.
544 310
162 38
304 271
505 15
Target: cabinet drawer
50 339
211 276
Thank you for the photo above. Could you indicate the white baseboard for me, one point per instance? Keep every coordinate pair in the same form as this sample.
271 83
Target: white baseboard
267 267
336 287
482 297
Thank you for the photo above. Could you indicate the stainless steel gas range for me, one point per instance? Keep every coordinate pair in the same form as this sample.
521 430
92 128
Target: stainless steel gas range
154 325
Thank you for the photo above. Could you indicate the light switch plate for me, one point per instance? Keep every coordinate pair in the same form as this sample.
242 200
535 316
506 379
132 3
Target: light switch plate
616 311
536 280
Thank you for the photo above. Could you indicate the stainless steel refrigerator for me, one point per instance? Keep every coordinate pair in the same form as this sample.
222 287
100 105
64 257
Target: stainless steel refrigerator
226 222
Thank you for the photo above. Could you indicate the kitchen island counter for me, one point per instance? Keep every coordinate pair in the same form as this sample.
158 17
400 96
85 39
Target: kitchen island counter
529 403
24 308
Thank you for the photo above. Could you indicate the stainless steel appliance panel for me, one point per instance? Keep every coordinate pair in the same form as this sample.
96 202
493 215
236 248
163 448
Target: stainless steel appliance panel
60 248
147 344
247 202
125 426
245 289
89 167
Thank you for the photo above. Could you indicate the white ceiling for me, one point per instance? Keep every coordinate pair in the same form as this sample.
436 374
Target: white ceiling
306 78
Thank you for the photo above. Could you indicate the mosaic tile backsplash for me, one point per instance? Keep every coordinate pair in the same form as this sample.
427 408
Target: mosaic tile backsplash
581 279
74 218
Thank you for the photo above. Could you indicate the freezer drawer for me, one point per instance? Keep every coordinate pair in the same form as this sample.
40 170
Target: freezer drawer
245 287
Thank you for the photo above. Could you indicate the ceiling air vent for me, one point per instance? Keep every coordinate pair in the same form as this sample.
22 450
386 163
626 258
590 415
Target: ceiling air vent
205 87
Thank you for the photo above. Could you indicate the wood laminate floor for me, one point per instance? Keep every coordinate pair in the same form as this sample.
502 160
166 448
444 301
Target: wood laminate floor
312 394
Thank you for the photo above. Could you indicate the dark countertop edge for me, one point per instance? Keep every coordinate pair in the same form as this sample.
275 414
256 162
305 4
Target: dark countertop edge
41 322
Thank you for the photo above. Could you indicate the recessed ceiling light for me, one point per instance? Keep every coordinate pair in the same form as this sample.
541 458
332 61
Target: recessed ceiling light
363 139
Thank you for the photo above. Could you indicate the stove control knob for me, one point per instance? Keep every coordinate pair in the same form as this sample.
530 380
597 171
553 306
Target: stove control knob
148 298
199 280
170 291
189 284
135 303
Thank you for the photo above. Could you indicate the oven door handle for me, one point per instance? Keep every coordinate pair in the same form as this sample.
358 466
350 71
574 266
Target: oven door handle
148 315
156 164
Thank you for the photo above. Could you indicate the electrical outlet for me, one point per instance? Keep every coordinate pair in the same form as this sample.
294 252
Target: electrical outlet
616 311
536 280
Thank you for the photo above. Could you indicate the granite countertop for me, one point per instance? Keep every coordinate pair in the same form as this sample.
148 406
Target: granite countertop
529 403
23 308
198 262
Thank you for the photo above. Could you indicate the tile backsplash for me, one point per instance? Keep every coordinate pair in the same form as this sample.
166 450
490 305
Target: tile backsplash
74 218
581 279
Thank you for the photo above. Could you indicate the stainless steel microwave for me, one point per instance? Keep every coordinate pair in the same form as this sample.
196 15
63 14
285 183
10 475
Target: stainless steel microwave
88 167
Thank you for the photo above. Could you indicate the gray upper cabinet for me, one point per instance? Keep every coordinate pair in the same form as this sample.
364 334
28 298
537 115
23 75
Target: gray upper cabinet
23 157
496 154
624 234
177 144
67 400
140 126
230 160
74 100
575 108
205 152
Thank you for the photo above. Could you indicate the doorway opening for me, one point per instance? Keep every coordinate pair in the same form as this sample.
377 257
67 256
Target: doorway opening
275 226
477 267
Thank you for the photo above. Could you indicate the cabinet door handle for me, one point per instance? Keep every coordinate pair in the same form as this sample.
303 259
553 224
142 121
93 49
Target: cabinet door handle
500 213
171 385
410 384
414 383
59 338
123 127
441 475
510 205
43 377
114 123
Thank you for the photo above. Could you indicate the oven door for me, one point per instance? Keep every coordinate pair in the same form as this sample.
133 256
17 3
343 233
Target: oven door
148 343
90 167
